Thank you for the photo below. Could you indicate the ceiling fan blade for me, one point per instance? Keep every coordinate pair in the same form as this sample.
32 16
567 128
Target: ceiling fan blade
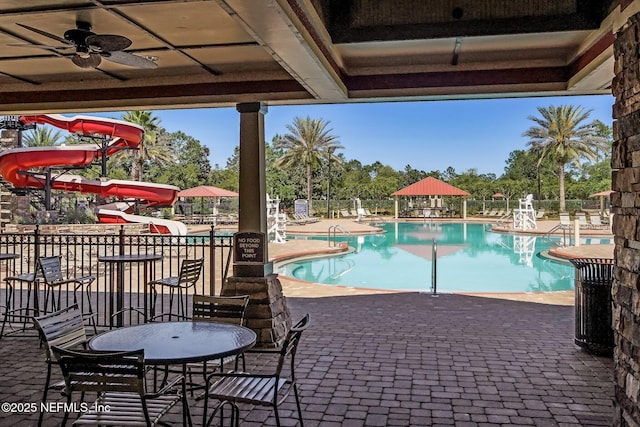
44 33
107 42
91 61
126 58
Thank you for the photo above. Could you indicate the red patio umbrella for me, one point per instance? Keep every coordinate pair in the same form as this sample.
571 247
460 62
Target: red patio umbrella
206 191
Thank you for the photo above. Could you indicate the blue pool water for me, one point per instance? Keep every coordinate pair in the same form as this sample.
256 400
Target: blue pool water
470 258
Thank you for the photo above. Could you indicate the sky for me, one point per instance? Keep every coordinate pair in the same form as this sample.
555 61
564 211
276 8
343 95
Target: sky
427 135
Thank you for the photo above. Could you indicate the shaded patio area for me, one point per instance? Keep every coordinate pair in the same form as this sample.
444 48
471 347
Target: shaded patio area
407 359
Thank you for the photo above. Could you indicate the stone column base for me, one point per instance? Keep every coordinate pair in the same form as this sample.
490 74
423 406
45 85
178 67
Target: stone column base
267 313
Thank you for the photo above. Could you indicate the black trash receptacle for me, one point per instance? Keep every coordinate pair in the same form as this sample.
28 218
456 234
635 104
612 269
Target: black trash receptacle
594 278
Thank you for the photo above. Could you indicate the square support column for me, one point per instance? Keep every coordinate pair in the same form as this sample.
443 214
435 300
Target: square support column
267 313
252 201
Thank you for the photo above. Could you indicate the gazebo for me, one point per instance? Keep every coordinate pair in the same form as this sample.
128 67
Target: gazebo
602 195
431 186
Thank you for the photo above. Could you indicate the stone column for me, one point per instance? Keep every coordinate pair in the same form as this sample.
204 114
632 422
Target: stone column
625 205
267 313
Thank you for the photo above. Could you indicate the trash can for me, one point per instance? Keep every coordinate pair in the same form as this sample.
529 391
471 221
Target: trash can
594 278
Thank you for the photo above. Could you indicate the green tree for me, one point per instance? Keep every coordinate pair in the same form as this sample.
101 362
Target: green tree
154 146
191 168
311 144
42 136
562 135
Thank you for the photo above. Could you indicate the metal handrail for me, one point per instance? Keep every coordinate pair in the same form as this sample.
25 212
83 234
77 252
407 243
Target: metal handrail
434 268
334 229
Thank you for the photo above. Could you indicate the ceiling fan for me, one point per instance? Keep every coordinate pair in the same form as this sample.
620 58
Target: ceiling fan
91 48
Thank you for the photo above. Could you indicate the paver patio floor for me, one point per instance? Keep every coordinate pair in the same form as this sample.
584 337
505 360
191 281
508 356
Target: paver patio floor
407 359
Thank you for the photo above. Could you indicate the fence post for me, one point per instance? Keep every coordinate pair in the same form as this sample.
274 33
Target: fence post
36 239
121 241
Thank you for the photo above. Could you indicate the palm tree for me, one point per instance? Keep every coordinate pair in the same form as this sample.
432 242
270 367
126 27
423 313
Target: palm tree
310 144
42 137
152 147
562 136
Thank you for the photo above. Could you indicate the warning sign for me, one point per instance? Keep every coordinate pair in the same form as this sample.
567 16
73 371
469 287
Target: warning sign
249 247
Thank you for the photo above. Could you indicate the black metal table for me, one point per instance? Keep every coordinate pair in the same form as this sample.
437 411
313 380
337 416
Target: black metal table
119 261
178 343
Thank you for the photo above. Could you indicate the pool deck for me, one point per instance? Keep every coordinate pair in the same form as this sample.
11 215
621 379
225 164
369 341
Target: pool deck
381 358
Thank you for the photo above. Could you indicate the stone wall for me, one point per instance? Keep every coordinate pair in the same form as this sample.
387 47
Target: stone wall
625 204
267 313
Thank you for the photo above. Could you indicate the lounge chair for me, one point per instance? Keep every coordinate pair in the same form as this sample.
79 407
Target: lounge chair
596 222
345 213
540 213
295 221
582 220
565 221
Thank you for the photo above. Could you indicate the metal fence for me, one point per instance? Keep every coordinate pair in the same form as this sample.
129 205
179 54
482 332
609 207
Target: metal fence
79 257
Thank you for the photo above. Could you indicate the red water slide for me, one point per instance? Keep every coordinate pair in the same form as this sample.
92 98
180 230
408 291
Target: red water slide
15 164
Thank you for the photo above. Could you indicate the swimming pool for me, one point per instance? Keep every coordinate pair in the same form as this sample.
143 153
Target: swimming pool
470 258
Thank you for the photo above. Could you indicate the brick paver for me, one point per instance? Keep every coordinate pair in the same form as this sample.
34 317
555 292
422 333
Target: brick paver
407 359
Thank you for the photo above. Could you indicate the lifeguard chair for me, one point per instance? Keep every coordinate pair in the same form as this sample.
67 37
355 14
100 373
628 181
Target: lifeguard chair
524 218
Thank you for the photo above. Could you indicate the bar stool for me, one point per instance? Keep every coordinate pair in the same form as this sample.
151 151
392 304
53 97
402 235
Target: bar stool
190 270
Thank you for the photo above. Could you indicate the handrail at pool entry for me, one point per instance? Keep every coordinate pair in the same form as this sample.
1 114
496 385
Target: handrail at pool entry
434 268
335 228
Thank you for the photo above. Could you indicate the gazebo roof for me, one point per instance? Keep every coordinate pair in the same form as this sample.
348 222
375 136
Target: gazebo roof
605 193
430 187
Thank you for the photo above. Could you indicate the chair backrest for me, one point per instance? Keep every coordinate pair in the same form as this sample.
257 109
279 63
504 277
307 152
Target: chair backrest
121 372
190 271
220 309
63 329
50 268
595 219
564 219
290 345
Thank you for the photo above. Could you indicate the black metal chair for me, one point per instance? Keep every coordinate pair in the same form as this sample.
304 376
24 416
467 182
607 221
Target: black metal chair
190 271
119 380
51 269
258 389
225 309
209 308
64 329
48 272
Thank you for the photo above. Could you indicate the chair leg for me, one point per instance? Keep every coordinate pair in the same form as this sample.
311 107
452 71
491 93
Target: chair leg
171 293
275 411
91 314
92 319
44 396
182 304
9 295
154 296
295 393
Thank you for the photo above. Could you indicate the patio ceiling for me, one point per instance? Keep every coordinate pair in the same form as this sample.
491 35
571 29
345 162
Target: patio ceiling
222 52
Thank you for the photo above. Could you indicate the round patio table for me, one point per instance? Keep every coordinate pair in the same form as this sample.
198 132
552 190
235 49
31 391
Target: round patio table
178 343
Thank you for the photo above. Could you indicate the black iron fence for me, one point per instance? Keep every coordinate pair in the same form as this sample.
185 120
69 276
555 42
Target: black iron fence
80 252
